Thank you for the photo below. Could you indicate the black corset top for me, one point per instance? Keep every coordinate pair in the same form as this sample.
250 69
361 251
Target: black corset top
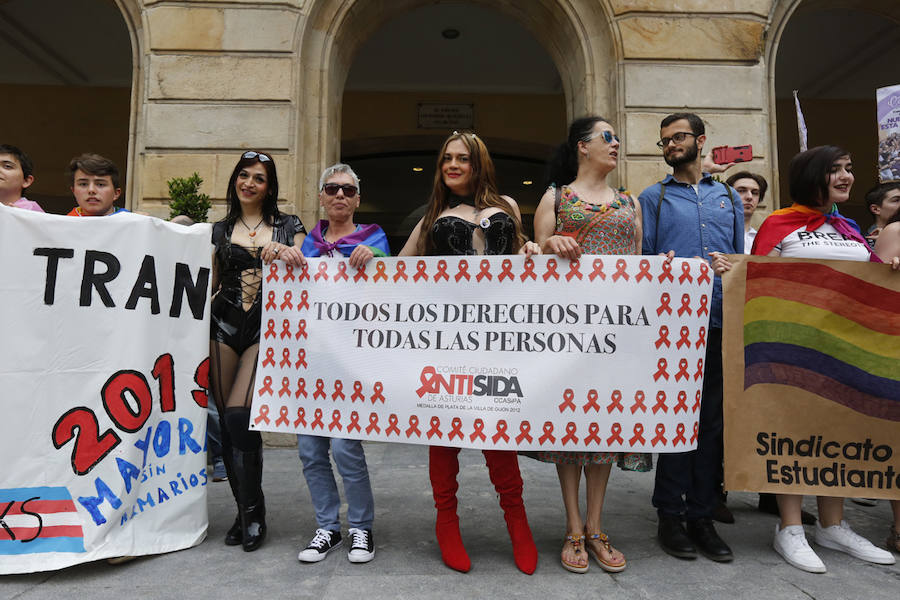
453 236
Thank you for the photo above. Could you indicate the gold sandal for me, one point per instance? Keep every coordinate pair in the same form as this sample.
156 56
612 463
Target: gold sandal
577 542
607 566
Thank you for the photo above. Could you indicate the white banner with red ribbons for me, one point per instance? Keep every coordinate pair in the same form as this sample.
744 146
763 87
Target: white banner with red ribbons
601 354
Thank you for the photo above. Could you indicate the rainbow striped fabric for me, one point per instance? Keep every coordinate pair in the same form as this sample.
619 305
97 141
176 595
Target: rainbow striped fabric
837 336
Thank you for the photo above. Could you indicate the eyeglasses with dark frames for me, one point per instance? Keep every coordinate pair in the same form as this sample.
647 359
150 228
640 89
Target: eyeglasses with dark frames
677 138
332 189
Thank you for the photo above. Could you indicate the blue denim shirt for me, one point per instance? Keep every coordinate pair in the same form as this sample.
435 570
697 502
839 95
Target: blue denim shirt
693 225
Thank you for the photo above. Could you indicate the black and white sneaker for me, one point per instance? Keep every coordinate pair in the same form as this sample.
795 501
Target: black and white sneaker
318 548
362 546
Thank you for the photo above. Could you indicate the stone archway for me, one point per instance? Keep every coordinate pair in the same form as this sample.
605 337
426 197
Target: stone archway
575 33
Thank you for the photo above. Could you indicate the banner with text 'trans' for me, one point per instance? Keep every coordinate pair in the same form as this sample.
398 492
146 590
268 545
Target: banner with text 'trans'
605 353
812 377
103 376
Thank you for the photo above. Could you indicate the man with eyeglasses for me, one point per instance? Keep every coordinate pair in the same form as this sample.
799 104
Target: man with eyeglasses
689 214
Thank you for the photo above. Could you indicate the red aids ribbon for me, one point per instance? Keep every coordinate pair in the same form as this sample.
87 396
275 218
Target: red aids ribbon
704 273
506 270
285 387
697 397
354 422
301 328
685 273
548 434
660 435
304 272
270 329
696 430
679 435
373 424
621 264
485 270
551 270
570 436
286 329
442 271
664 300
593 430
288 296
592 401
524 432
638 402
455 429
644 268
420 271
573 271
682 370
301 359
699 373
598 270
463 270
663 337
360 274
701 338
267 386
685 305
320 390
301 417
335 421
377 394
413 427
322 271
317 422
263 415
435 428
380 267
660 402
304 300
661 365
478 431
338 390
342 272
666 272
704 309
289 273
269 360
428 380
283 417
568 397
392 429
682 402
401 272
301 388
615 402
273 272
529 271
501 432
616 431
683 340
638 435
357 392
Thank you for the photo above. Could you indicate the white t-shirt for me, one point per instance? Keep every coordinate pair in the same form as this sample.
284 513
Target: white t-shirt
825 242
748 240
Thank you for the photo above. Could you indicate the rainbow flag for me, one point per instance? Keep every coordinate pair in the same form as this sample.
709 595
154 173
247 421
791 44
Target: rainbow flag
837 336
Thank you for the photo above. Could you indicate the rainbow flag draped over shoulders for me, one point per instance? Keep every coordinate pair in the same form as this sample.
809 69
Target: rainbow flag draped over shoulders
837 336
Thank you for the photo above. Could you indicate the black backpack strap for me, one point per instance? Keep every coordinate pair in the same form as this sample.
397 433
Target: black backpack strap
662 196
733 214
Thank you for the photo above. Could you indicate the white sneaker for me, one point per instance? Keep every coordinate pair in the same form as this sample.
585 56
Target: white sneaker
791 544
362 546
323 542
842 538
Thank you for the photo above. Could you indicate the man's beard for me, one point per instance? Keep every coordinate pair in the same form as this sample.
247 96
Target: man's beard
689 156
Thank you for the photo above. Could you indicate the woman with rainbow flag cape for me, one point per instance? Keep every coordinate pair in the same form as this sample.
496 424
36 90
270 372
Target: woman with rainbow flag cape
339 196
812 227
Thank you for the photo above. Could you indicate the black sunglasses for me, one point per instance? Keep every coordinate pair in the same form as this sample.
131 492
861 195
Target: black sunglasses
251 154
332 189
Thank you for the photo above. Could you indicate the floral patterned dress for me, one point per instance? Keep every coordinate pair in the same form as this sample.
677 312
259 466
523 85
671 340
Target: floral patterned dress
598 229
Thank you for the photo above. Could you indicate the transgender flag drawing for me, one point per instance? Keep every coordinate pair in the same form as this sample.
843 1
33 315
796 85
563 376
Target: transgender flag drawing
37 520
821 330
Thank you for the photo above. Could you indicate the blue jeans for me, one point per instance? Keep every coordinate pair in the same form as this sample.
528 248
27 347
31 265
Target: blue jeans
350 459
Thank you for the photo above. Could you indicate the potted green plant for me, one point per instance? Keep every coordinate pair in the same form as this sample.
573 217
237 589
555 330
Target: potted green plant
185 198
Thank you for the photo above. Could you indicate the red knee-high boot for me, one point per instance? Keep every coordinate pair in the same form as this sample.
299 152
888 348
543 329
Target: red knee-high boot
503 467
443 466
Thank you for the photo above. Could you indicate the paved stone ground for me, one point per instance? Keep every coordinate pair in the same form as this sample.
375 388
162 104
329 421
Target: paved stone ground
408 563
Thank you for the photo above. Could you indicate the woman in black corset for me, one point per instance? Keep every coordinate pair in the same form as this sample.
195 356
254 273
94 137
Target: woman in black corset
465 216
253 232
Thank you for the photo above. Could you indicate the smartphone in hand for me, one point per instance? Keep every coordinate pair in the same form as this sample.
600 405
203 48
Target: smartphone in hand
723 155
